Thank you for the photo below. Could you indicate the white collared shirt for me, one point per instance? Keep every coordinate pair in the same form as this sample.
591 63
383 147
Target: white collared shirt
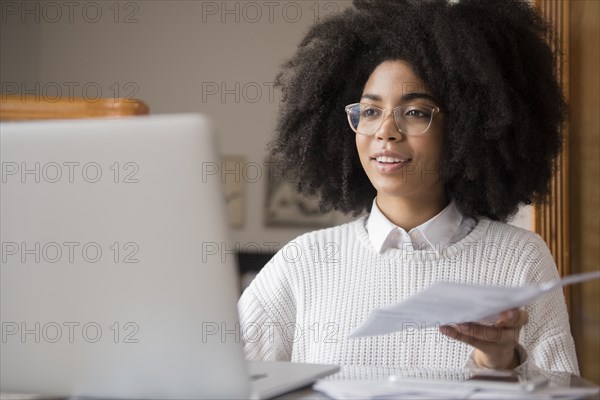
441 231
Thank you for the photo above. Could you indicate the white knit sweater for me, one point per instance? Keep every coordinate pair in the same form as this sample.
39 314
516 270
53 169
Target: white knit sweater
320 286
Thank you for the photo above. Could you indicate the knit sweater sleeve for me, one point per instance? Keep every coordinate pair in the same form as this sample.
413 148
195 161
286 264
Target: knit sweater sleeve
547 336
267 311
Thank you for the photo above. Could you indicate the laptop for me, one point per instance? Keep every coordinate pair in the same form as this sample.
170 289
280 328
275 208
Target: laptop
116 281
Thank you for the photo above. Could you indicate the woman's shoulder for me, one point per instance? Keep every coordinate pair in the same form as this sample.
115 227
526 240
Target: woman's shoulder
316 245
339 233
531 255
504 232
294 259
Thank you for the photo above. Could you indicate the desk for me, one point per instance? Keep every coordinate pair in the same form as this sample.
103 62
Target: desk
308 393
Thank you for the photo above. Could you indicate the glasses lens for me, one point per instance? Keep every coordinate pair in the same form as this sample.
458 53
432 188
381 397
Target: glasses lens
364 118
413 119
353 115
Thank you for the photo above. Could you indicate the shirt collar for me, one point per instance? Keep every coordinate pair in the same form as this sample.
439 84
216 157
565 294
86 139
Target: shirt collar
379 227
435 234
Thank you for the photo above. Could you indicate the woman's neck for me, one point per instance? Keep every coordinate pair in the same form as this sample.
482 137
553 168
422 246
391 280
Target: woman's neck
410 212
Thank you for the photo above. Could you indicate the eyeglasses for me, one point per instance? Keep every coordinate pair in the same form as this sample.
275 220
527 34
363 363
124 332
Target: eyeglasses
411 119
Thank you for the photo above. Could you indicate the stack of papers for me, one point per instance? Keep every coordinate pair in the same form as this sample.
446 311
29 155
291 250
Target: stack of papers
428 389
452 303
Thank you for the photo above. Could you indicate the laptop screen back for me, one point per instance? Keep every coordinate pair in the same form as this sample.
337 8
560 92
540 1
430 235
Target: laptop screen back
113 280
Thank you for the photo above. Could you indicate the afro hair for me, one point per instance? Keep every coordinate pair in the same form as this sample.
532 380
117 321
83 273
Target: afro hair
490 65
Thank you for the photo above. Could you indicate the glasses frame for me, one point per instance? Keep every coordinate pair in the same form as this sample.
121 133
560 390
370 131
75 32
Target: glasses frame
434 110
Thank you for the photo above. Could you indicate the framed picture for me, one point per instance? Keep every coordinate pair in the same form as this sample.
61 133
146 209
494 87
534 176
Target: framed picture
285 207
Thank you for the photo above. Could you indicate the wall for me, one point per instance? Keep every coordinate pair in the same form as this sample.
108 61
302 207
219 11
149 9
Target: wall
19 50
218 58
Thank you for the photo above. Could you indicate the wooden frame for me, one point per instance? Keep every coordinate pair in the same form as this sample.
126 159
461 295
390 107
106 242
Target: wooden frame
551 220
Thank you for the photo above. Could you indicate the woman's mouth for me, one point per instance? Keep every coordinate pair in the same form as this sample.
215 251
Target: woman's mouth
384 159
389 165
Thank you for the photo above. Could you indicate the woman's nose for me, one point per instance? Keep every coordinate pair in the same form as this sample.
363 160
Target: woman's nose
388 130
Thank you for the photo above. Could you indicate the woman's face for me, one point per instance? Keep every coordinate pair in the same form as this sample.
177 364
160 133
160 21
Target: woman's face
399 165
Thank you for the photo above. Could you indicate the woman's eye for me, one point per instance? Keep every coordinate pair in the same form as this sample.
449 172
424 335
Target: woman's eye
416 113
369 112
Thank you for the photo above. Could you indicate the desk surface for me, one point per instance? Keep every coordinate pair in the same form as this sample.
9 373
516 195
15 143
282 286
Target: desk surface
311 394
364 373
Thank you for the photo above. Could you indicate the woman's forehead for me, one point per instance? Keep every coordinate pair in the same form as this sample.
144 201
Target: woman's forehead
394 79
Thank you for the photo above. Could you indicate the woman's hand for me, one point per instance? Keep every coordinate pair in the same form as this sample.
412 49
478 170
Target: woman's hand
495 345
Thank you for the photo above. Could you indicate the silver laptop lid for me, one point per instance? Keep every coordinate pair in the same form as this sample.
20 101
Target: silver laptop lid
112 280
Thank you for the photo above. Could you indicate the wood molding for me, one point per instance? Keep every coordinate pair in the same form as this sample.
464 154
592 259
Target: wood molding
584 191
35 107
551 220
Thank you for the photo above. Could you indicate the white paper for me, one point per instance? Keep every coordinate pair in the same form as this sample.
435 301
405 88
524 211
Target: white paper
368 389
424 389
453 303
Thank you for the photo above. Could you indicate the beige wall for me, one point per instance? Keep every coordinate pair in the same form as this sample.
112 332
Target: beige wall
19 51
173 54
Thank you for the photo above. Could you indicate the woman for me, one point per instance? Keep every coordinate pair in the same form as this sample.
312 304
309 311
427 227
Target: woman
440 119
